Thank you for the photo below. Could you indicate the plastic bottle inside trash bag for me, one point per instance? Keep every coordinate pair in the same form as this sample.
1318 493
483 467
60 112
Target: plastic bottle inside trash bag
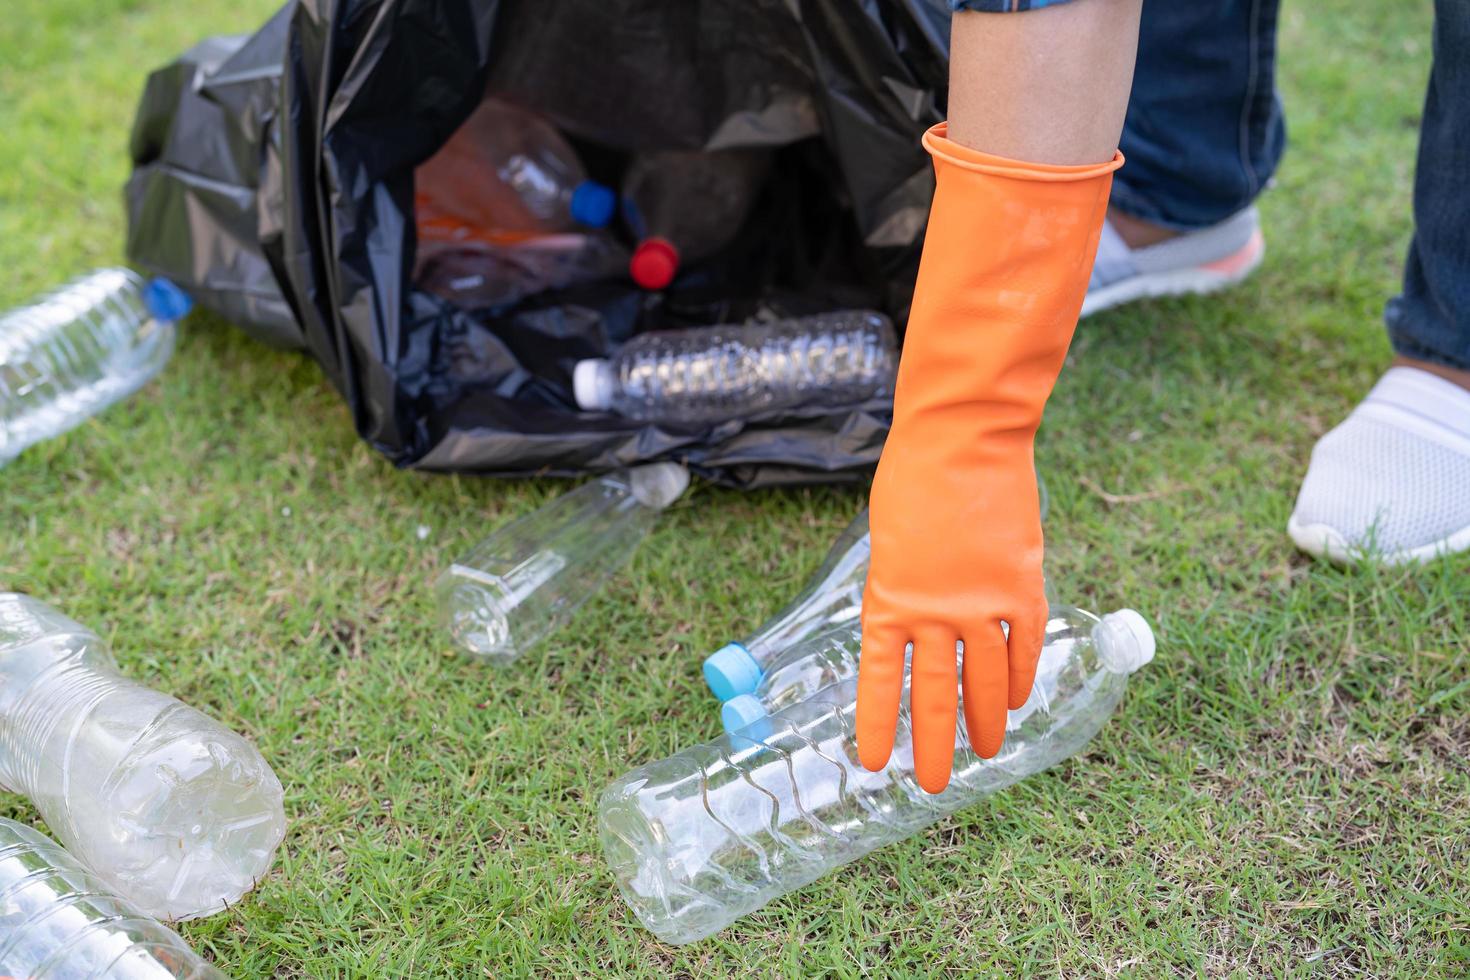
530 577
832 657
833 596
59 921
685 205
506 172
476 273
71 353
712 833
175 812
732 371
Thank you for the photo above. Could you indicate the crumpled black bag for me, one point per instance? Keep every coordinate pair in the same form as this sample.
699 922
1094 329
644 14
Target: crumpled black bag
273 179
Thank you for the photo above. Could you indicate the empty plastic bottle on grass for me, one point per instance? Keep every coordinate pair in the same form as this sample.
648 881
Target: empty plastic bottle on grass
78 349
715 374
685 205
59 921
174 811
831 657
713 833
506 172
530 577
833 596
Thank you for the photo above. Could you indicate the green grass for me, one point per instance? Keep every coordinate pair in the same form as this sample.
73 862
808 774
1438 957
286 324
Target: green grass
1285 790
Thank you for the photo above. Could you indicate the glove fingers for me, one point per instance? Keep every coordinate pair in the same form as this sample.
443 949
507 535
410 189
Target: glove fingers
1028 632
933 703
986 682
880 685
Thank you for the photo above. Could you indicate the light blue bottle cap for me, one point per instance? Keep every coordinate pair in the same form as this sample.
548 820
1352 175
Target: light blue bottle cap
740 711
592 204
731 671
165 301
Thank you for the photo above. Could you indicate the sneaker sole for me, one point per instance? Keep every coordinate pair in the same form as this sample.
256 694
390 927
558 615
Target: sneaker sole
1324 541
1196 280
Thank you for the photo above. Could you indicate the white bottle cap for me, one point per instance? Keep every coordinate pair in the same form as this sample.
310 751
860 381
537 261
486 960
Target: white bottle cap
592 384
1124 641
657 485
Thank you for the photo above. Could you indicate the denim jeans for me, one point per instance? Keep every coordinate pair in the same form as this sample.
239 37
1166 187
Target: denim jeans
1430 319
1204 133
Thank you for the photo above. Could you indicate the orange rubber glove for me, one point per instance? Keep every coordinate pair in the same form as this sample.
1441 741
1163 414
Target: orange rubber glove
956 527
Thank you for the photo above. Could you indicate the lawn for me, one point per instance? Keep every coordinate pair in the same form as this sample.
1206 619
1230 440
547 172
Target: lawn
1285 790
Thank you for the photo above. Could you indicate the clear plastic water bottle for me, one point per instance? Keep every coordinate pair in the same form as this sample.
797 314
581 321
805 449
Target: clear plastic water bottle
832 597
684 206
477 274
59 921
530 577
174 811
715 374
76 350
506 172
831 657
713 833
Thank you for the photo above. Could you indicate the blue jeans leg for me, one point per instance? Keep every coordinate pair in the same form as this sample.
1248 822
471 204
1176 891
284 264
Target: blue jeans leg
1204 130
1430 319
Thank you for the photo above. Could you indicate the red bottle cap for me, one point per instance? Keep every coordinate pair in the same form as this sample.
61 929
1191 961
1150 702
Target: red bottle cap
654 263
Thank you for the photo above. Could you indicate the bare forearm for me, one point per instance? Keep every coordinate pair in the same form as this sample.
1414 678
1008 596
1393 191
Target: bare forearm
1045 86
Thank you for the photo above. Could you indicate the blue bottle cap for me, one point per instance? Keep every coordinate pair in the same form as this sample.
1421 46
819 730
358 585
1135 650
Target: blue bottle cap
731 671
165 301
593 204
740 711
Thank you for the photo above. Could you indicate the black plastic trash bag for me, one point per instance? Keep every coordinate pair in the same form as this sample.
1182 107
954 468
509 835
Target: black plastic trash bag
274 179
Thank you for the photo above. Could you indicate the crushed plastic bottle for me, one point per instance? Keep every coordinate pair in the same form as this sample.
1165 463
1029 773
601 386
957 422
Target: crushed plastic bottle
710 834
59 921
530 577
832 597
82 347
684 206
715 374
832 657
175 812
506 172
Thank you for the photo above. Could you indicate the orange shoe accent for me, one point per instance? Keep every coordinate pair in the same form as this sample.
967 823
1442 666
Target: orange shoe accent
1240 260
956 527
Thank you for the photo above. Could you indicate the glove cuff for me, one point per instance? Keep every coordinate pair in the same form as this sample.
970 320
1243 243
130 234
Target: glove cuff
945 150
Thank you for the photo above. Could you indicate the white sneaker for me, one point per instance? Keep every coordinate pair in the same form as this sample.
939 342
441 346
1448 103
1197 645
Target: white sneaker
1393 480
1195 262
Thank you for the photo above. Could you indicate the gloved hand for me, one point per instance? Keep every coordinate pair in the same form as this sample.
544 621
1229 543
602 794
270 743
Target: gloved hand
956 529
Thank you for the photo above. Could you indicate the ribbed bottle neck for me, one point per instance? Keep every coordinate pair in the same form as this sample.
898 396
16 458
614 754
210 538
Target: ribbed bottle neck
58 698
